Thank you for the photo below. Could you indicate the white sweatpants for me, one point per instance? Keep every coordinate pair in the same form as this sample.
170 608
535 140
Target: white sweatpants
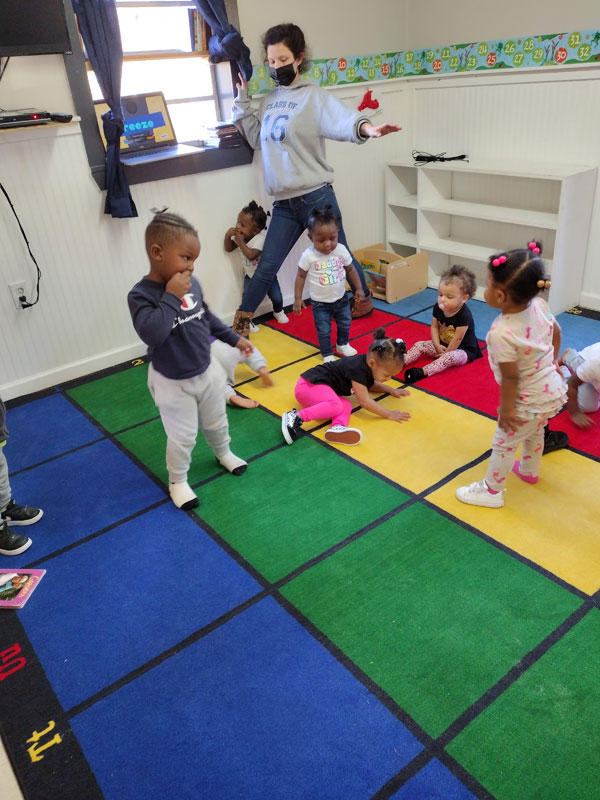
588 397
227 358
186 405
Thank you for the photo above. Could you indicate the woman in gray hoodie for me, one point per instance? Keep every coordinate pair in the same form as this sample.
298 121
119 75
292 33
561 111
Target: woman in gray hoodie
290 127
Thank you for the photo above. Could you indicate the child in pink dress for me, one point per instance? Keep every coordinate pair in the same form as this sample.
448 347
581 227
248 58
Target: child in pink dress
523 345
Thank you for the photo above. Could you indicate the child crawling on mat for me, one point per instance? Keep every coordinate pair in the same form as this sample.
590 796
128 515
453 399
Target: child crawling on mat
453 341
322 391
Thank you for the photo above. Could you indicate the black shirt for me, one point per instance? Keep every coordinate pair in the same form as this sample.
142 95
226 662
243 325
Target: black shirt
340 374
448 326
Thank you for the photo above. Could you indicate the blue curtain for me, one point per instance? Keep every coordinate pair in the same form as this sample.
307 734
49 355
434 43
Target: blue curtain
99 27
226 42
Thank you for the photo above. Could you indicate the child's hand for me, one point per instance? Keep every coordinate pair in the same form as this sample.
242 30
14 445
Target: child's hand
179 284
359 296
245 345
507 420
582 420
440 349
231 232
398 392
238 238
399 416
298 306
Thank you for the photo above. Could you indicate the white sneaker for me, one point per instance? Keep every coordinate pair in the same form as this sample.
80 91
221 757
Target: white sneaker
327 359
183 495
254 328
281 316
338 434
478 494
346 350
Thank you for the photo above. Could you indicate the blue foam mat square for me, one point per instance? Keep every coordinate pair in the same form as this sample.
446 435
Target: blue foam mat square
80 493
577 331
280 718
140 588
43 429
409 305
433 782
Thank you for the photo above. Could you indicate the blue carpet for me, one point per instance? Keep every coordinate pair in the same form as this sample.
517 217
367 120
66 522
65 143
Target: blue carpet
282 721
409 305
136 588
578 332
433 782
43 429
81 492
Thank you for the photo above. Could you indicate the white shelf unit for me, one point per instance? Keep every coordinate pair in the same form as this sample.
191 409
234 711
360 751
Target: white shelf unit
462 213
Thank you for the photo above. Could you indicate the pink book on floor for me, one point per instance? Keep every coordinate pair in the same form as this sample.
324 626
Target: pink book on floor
17 586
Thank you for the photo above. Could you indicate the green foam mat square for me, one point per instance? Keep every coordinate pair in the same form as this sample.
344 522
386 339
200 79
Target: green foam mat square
541 737
119 400
433 614
293 504
252 432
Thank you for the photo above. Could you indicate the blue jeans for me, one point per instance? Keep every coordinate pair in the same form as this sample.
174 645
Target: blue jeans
323 313
273 293
287 224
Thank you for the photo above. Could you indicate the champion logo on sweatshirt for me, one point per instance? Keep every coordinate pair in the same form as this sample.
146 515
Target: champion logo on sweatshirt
188 303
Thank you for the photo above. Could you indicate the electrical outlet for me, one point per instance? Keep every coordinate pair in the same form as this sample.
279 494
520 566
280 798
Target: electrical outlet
17 290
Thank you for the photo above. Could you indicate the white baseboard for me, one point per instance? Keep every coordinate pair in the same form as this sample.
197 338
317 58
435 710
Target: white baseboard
590 300
68 372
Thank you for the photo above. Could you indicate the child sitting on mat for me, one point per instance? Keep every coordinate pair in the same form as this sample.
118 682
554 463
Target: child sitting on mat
170 315
523 345
226 359
327 265
453 341
583 387
322 391
248 236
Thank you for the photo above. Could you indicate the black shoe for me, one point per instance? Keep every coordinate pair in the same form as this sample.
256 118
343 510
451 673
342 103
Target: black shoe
413 374
554 440
11 543
21 515
291 426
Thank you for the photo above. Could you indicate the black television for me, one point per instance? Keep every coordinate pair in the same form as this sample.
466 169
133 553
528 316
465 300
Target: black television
33 27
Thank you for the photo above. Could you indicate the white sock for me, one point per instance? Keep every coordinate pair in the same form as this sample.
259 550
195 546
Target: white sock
233 464
183 495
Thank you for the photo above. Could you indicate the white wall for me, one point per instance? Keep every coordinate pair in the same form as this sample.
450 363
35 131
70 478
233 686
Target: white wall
439 22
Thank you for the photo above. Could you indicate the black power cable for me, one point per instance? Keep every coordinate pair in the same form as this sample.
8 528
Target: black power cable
421 158
23 301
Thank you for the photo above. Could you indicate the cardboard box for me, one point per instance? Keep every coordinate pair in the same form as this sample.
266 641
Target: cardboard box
390 276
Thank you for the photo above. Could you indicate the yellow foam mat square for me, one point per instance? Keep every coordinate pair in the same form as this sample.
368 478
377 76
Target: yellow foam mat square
439 438
278 350
554 522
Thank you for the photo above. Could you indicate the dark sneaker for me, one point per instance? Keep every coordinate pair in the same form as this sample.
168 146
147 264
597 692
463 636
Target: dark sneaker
413 374
291 426
11 543
554 440
21 515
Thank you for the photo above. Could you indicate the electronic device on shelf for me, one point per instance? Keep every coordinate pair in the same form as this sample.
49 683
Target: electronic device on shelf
16 117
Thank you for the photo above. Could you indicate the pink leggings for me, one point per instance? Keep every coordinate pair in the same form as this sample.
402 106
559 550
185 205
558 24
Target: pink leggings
321 402
455 358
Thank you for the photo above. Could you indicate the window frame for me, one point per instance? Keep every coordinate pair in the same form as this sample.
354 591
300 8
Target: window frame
206 159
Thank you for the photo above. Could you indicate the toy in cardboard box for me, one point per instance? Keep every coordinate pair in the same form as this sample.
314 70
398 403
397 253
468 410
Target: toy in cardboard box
391 277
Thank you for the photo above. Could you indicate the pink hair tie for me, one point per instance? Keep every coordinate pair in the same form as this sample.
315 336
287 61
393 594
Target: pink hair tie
497 261
533 246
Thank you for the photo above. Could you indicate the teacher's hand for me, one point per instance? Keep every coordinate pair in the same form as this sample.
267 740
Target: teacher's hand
242 84
373 132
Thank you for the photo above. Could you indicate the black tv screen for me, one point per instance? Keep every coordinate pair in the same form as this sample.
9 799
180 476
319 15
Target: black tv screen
33 27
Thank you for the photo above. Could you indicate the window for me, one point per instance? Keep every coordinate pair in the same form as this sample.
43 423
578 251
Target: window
165 49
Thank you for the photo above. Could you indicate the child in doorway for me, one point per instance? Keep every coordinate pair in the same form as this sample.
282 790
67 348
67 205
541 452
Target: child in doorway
322 391
583 387
170 315
11 513
327 264
248 236
226 358
453 341
523 344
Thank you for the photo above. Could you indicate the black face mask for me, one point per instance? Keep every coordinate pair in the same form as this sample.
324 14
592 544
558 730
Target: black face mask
283 76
